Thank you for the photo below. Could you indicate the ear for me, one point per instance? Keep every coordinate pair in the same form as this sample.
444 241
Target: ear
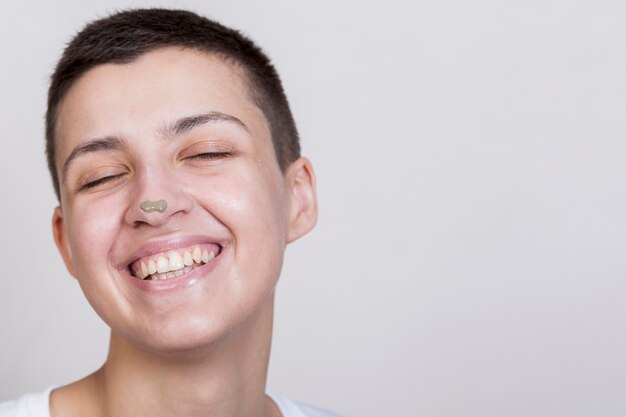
302 198
60 238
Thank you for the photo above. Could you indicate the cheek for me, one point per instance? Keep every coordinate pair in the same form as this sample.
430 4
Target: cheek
251 205
254 205
92 233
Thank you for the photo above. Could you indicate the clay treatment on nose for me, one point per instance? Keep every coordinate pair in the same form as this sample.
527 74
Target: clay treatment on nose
150 206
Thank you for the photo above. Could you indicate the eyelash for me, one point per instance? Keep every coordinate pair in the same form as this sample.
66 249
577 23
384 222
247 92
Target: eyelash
98 182
210 155
201 156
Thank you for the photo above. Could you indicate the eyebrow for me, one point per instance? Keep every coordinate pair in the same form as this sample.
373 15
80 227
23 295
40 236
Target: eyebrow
185 124
169 130
94 145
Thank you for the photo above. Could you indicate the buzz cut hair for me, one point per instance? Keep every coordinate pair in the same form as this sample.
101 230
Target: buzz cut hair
124 36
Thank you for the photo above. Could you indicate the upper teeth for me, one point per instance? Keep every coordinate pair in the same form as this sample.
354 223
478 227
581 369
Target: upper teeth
170 264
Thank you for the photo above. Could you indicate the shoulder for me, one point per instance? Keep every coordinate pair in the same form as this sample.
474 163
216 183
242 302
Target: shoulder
290 408
28 405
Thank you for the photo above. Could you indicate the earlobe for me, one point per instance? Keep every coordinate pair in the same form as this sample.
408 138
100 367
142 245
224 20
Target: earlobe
302 199
60 238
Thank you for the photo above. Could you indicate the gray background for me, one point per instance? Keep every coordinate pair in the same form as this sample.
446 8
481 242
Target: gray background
469 258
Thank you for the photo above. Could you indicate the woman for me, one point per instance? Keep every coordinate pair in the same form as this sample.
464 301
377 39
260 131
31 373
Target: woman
177 166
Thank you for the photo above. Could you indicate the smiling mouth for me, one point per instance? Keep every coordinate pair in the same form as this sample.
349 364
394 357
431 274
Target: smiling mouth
174 263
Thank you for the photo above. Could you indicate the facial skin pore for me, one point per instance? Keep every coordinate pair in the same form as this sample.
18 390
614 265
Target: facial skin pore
179 125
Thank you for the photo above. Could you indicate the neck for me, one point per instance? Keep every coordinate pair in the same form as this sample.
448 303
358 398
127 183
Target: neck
225 380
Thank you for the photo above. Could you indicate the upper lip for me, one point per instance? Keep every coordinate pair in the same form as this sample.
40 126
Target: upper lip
152 247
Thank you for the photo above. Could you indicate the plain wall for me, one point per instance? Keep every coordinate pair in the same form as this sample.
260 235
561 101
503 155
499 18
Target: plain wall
469 257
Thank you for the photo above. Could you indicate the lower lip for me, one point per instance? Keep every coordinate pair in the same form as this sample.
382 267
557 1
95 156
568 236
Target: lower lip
173 284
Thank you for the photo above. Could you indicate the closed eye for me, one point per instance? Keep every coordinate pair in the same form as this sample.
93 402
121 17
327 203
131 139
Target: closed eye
210 155
99 181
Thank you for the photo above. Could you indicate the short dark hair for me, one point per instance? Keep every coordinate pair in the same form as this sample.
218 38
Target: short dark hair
124 36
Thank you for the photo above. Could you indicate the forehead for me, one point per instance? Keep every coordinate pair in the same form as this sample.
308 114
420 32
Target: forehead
160 86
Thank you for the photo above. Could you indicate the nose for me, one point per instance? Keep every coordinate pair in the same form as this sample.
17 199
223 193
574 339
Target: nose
156 199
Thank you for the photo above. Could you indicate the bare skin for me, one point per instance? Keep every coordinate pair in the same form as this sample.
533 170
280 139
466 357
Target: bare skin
200 347
134 382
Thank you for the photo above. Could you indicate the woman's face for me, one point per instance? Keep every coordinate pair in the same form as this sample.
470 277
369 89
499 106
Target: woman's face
175 125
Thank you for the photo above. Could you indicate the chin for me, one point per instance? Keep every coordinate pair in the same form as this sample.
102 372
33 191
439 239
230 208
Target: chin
202 334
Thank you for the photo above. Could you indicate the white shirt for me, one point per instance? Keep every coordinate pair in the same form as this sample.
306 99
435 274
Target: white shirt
38 405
